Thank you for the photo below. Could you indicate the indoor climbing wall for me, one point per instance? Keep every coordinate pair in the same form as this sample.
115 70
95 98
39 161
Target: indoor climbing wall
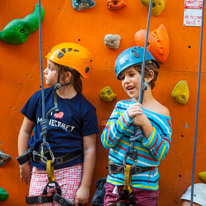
106 28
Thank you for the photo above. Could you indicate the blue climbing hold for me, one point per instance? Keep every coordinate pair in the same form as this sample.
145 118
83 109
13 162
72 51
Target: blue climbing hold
81 4
3 158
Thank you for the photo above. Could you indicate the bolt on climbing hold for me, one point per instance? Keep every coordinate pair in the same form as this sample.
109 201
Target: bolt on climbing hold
18 30
181 92
112 41
186 125
3 158
157 6
78 5
116 4
158 42
107 94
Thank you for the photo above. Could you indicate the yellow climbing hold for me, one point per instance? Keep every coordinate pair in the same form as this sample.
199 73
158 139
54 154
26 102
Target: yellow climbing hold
157 6
107 94
181 92
202 176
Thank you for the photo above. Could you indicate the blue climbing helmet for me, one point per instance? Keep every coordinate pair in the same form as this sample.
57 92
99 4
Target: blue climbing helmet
130 57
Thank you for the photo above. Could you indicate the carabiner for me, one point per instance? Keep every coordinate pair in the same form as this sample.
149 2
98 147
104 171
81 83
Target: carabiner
48 151
132 153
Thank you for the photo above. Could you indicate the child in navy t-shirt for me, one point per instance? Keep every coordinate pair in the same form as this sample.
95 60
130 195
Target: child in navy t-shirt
71 130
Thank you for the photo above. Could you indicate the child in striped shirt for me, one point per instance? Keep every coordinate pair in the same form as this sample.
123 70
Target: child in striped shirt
152 146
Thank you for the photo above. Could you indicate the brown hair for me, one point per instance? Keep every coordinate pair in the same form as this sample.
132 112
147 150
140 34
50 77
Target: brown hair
149 65
75 78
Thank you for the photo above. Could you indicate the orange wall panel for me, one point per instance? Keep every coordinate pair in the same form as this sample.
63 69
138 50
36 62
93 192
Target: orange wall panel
20 78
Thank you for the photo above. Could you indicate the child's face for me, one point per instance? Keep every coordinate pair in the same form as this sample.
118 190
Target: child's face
50 73
130 79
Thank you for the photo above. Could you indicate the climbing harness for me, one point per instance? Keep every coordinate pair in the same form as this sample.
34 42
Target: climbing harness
45 199
36 157
197 103
117 168
46 155
128 170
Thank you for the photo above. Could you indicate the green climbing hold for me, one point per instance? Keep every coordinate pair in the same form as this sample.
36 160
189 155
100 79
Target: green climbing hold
3 194
18 30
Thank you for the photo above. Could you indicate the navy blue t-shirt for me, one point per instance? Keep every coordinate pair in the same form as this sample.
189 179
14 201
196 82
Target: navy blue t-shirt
64 135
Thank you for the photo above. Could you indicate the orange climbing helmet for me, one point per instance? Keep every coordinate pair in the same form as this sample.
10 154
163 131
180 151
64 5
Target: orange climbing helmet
72 55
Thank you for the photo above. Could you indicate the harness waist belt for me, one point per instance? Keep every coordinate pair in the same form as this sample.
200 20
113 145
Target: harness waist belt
62 201
35 156
30 200
117 168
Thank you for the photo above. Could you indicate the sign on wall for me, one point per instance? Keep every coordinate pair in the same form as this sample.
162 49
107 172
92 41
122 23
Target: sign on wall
193 4
193 12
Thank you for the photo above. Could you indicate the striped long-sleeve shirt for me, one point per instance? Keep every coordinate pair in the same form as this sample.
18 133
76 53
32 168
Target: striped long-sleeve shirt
151 151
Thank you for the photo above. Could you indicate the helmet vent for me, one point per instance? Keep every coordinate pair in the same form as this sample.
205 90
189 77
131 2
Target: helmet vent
69 49
60 55
87 70
136 54
75 50
64 50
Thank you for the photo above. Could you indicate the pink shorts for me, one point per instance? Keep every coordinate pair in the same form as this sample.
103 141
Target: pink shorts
69 179
142 197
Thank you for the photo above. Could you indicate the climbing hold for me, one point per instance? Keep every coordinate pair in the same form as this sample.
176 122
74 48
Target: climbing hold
3 194
116 4
202 176
181 92
157 6
18 30
107 94
81 4
158 42
3 158
112 41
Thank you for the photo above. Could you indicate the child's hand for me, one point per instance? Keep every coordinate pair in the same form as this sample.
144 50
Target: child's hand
140 119
134 109
82 196
25 172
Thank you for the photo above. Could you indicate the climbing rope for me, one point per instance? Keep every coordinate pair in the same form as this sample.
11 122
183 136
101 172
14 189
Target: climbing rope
44 123
197 102
132 152
140 98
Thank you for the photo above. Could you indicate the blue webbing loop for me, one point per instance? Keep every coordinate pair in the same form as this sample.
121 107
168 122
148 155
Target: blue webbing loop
197 102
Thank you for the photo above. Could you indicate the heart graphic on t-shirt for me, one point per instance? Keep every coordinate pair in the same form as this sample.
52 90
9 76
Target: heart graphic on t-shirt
58 115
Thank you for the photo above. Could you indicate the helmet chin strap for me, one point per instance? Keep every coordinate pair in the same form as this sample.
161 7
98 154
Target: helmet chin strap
58 86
